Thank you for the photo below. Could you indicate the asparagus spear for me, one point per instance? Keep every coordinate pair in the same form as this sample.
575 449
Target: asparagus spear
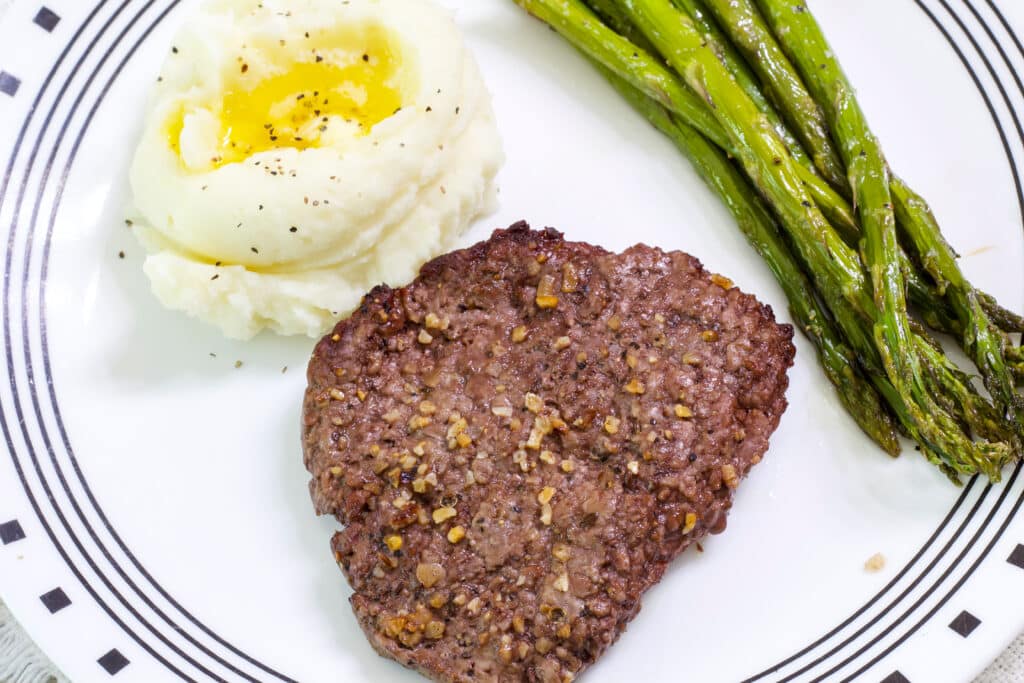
618 21
856 393
838 360
835 207
759 150
595 43
804 42
744 25
836 267
581 27
939 315
578 24
747 28
1006 320
710 32
949 384
749 32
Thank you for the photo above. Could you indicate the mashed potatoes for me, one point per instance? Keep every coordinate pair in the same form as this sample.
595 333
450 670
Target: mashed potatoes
299 152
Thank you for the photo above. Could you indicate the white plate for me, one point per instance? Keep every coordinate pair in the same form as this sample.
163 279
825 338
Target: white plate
160 491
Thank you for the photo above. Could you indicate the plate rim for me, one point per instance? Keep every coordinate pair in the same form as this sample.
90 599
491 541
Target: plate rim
9 181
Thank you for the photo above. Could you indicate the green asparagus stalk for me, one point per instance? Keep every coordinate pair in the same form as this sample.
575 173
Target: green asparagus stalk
870 179
940 429
596 44
757 147
1017 368
981 338
748 30
804 42
836 267
744 25
940 316
1005 319
931 306
581 27
948 381
617 20
718 42
856 393
836 209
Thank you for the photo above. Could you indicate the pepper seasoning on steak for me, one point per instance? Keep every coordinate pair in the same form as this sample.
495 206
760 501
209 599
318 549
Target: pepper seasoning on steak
521 440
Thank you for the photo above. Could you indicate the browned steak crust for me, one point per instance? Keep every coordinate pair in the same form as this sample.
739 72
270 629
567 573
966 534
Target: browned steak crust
520 441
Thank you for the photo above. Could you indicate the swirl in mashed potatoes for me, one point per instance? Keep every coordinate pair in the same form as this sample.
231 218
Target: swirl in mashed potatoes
297 153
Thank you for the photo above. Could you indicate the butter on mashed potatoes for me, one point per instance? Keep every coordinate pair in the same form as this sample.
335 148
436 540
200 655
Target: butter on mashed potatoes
298 152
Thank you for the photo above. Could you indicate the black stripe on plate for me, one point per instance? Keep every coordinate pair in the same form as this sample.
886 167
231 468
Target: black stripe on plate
999 85
35 401
106 55
889 586
956 587
896 602
1020 199
1006 25
4 426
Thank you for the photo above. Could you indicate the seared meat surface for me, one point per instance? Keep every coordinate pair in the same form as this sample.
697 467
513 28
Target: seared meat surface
520 441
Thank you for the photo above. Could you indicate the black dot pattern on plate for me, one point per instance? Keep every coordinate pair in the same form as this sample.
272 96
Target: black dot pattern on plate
1016 558
113 661
965 623
10 532
8 83
55 600
895 677
46 19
